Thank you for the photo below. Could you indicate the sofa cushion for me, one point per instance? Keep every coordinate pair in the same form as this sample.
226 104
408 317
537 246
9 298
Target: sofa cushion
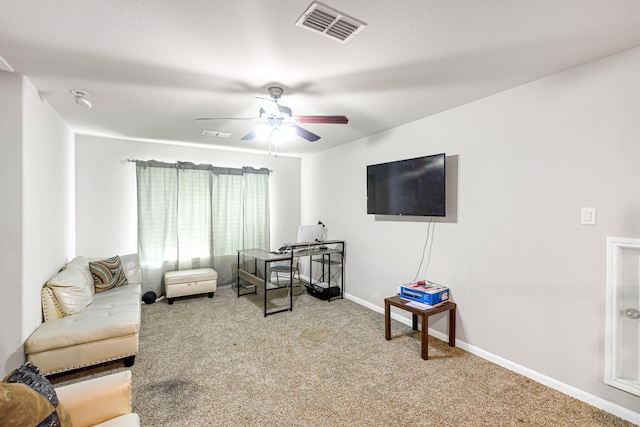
107 273
111 314
131 267
27 398
73 286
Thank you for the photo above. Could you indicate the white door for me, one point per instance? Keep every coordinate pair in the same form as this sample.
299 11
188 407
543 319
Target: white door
622 340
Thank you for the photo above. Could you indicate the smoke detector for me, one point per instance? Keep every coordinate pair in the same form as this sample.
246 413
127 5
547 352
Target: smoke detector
80 96
329 22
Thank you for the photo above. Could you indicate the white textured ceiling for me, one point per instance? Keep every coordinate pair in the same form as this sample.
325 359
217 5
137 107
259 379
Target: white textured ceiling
152 66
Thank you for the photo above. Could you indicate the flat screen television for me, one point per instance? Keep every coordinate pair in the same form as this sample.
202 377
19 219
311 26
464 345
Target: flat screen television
413 187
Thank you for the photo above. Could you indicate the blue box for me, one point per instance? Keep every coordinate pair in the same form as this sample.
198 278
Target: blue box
430 295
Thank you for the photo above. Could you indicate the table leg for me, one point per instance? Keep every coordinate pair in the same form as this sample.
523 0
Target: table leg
424 339
238 275
265 288
291 283
452 327
414 318
387 321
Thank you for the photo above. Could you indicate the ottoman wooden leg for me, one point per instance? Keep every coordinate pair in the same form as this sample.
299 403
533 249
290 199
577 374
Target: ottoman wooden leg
170 301
211 294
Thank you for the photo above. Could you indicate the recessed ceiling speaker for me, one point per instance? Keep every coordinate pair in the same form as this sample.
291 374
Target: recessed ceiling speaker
80 96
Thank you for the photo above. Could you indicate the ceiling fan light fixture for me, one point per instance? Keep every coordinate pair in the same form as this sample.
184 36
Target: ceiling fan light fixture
287 131
278 136
278 119
263 131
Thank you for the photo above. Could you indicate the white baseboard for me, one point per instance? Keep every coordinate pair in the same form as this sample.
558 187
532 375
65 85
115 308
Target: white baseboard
581 395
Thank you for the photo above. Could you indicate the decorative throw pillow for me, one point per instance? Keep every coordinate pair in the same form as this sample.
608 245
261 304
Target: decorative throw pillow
131 267
27 398
107 273
73 286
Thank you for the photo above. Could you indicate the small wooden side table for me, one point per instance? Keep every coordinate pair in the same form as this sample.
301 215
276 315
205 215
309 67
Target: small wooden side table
396 301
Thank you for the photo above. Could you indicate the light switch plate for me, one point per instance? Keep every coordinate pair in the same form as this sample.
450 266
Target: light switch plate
588 216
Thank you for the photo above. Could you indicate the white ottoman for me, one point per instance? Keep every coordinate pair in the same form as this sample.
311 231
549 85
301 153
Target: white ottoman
190 282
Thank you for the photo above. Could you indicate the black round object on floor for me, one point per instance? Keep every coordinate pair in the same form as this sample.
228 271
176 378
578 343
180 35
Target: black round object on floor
149 297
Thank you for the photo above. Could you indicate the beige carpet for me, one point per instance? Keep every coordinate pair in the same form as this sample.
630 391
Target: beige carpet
219 362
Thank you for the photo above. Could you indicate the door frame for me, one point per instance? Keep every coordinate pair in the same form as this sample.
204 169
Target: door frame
615 247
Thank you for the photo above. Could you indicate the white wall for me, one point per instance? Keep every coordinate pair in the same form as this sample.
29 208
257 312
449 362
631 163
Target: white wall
527 277
10 221
106 189
36 219
48 200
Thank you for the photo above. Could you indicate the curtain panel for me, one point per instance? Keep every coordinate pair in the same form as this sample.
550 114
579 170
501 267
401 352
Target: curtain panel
194 216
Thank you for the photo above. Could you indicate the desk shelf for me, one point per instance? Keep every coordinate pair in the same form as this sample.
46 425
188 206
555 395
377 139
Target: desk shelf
330 255
328 261
248 273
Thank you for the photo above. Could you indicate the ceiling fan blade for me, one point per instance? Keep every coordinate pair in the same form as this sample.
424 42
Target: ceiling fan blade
269 106
250 135
337 120
229 118
309 136
284 111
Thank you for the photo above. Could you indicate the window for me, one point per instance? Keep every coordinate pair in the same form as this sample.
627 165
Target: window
195 216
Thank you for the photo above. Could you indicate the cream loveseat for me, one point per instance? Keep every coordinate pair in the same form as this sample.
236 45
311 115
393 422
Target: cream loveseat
103 401
83 327
27 398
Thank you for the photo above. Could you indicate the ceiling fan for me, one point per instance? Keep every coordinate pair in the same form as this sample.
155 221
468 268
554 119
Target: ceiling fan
279 118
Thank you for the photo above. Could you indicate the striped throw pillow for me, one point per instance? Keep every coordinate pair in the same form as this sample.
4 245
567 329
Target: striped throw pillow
107 273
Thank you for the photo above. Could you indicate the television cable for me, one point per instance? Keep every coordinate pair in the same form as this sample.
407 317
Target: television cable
424 249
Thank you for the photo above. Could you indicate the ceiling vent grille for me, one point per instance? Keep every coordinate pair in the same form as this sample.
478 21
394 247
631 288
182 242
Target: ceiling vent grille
216 134
330 22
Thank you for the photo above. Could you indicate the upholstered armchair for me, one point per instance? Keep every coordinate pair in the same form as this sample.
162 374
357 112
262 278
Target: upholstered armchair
103 401
27 398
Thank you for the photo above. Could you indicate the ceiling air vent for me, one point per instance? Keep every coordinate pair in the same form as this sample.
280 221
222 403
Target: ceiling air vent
216 134
329 22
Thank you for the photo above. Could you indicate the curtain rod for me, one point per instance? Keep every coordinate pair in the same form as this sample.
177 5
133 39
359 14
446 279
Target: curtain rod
136 160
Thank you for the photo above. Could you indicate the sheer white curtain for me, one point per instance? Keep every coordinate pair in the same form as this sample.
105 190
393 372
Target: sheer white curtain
193 216
226 204
195 238
157 222
256 208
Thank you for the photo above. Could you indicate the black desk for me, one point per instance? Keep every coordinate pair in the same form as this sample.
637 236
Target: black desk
251 277
321 253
